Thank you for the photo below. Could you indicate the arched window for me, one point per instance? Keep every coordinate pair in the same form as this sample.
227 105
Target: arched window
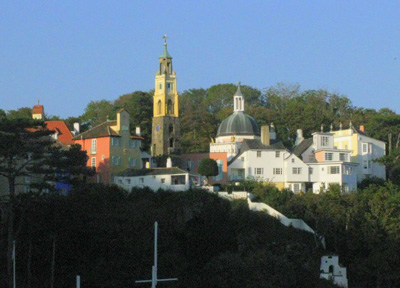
170 107
159 106
171 128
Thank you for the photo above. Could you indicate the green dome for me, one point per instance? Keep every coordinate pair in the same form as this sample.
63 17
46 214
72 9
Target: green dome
239 123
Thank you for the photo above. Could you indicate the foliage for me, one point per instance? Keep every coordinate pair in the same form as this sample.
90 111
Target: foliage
362 228
106 235
208 167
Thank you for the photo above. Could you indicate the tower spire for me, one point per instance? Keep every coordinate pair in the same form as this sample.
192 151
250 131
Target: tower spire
238 100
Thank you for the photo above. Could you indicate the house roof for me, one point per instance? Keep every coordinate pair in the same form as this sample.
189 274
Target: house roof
152 172
37 109
102 130
255 144
303 146
63 134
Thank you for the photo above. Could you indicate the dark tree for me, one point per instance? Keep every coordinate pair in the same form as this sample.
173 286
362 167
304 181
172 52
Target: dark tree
208 167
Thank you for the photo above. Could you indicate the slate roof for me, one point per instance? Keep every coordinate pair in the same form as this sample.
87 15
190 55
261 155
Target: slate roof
101 130
151 172
254 144
239 123
303 146
63 134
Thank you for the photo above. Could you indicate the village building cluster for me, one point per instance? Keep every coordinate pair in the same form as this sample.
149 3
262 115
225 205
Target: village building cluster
242 149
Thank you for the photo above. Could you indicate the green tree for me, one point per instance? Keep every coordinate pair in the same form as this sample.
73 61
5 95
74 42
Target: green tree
208 167
24 112
23 145
97 112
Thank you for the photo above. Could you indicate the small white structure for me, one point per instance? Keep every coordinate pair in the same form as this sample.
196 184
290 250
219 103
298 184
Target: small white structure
171 178
331 270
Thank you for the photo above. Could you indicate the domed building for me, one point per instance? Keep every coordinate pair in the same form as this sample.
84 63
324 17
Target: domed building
235 129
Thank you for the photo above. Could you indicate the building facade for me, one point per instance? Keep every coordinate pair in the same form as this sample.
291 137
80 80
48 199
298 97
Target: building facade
111 147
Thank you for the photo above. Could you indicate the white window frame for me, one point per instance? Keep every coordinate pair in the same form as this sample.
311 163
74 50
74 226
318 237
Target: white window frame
277 171
258 171
277 154
328 156
258 154
296 170
333 170
93 149
93 162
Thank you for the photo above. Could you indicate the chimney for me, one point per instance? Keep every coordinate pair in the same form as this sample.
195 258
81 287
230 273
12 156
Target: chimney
265 135
299 137
77 128
362 128
169 162
272 133
137 131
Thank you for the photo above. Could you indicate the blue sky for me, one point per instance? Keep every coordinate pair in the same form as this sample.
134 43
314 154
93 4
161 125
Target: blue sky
68 53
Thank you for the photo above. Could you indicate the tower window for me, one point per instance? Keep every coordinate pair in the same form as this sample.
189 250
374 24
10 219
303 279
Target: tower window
159 106
170 107
170 87
171 142
171 128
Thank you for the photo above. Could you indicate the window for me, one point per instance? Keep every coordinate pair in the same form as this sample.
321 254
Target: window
170 87
310 170
160 86
342 157
277 154
93 150
258 154
258 171
128 181
27 189
365 147
311 158
296 188
242 158
324 140
120 180
178 180
171 128
141 180
103 157
369 164
348 170
328 156
159 106
170 107
162 180
292 160
93 162
132 162
333 170
116 160
296 170
116 141
27 179
277 171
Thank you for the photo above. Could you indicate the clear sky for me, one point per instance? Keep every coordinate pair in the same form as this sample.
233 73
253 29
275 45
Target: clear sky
68 53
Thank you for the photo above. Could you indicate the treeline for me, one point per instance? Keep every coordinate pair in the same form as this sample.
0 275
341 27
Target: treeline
106 235
202 110
363 228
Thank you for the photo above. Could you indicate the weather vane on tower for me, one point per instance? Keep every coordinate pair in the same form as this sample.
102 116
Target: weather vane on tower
165 37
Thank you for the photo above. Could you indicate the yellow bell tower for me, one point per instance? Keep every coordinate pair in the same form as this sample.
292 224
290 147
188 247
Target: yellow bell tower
165 130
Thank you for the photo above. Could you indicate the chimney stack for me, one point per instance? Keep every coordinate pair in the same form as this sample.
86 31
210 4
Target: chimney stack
169 162
137 131
362 128
299 137
265 135
77 128
272 133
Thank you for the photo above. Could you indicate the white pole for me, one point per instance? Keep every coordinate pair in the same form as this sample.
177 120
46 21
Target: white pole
78 281
14 276
154 278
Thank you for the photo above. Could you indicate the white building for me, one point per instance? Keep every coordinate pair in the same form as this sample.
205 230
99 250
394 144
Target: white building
327 164
331 270
171 178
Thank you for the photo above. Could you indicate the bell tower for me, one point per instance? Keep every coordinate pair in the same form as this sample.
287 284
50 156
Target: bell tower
166 129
